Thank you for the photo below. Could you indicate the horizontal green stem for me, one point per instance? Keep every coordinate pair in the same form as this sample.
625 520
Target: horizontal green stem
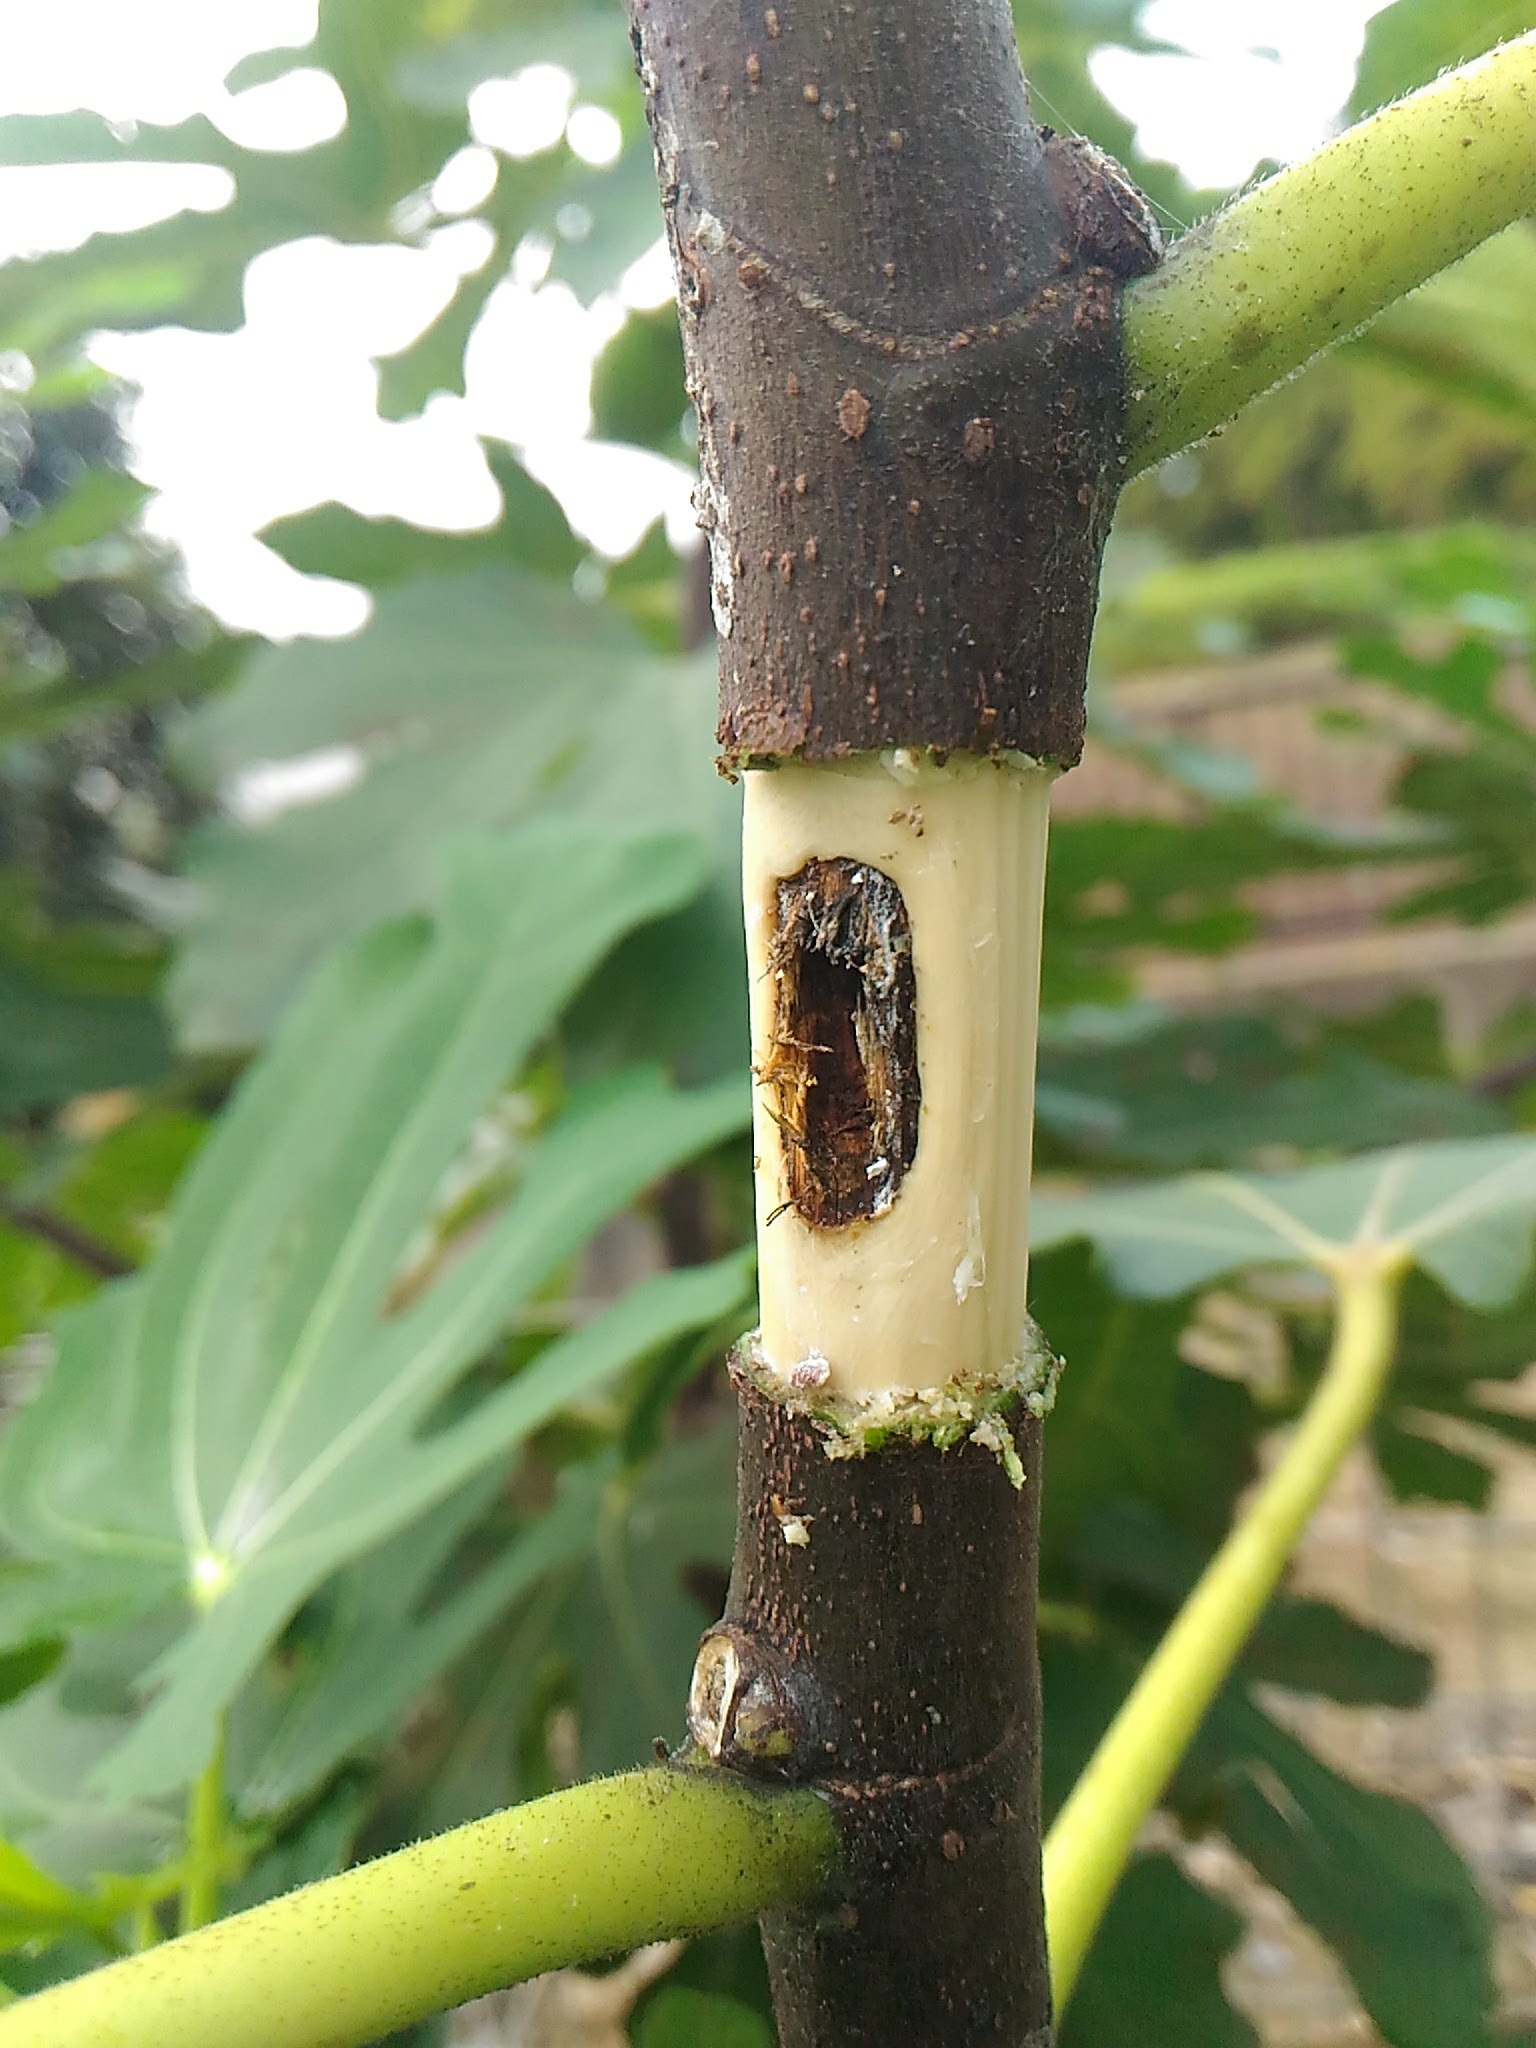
1257 290
1091 1841
603 1867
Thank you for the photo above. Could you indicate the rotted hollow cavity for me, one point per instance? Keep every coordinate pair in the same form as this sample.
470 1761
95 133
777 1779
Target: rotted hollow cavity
841 1073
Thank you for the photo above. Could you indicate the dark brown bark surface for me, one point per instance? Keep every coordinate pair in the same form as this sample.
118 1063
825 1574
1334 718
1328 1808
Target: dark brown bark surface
899 315
879 1640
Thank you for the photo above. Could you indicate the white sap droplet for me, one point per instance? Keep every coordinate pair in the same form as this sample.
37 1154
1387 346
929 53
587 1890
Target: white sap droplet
814 1370
971 1272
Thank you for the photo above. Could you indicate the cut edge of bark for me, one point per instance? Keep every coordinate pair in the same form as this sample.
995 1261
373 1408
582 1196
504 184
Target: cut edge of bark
971 1407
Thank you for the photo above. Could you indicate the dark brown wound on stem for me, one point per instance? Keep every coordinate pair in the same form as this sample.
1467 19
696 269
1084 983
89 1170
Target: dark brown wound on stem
879 1641
841 1076
898 302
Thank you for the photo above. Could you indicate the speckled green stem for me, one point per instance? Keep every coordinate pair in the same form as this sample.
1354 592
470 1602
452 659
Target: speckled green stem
1315 252
600 1868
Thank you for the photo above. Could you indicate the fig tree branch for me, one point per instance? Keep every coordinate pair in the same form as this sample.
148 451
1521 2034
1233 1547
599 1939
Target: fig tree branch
602 1867
1256 291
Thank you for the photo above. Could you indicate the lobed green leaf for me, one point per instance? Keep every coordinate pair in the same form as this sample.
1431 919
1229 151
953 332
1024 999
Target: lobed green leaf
1462 1210
253 1410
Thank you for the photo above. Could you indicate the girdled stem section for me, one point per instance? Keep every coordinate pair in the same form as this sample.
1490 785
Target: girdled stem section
893 908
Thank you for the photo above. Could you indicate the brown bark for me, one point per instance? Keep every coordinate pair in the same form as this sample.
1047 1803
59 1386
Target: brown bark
899 317
879 1641
899 313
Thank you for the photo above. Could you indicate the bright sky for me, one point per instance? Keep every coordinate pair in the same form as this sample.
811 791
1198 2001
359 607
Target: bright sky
234 430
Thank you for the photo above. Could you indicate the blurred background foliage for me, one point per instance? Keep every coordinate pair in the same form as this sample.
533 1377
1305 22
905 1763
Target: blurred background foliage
1292 914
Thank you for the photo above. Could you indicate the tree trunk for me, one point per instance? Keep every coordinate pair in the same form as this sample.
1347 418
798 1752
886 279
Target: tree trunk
899 309
890 1659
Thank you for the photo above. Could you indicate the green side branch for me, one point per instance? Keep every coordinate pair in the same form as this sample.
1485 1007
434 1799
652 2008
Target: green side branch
1094 1834
585 1873
1253 293
205 1843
